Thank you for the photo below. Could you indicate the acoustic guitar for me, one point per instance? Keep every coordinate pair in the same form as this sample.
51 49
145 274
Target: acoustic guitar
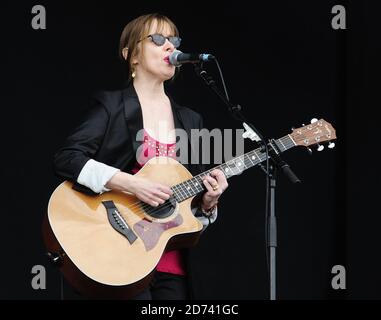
108 245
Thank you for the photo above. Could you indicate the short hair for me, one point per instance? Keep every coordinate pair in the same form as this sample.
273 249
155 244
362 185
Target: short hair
138 29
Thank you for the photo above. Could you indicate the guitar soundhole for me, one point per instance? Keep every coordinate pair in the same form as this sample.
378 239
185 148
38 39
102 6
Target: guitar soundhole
162 211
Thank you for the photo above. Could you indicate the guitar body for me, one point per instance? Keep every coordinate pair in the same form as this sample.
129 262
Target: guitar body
99 261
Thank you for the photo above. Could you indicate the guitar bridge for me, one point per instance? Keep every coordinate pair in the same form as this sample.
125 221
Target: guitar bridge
118 223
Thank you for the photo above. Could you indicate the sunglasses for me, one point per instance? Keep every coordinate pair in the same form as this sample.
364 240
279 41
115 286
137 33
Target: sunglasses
159 40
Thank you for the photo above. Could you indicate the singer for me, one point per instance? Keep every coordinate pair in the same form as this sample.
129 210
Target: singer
102 153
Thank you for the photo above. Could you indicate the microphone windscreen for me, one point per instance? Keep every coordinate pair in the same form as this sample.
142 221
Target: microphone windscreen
173 58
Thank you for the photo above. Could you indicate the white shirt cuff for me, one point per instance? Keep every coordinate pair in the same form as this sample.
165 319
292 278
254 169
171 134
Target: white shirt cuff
95 175
204 220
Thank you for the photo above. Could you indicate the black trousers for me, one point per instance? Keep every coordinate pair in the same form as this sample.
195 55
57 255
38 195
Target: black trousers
165 286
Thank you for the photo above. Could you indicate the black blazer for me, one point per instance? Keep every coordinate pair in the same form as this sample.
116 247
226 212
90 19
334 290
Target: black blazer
108 135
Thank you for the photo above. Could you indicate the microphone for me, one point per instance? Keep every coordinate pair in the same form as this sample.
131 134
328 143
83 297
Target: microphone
177 58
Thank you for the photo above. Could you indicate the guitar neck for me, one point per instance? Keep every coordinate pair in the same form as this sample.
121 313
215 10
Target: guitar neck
235 166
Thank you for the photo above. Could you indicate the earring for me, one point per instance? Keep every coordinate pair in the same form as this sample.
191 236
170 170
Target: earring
133 74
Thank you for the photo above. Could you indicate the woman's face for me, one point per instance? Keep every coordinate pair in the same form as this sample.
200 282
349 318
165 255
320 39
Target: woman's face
153 59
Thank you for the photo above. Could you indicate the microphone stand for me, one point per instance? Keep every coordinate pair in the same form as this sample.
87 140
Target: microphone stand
273 152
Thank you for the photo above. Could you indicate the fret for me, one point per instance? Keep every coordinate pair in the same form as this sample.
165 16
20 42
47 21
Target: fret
187 188
239 164
202 175
257 155
249 162
246 161
177 193
225 169
253 157
280 145
232 167
193 188
198 183
182 191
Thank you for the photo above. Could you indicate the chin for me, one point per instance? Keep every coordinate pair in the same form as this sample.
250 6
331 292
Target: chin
168 76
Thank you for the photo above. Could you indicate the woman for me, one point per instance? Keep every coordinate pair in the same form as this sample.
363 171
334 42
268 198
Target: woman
103 154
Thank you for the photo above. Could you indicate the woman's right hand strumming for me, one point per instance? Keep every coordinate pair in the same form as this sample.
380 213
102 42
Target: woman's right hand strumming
150 192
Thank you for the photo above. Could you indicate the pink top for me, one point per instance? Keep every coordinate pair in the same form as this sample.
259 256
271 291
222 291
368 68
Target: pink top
171 261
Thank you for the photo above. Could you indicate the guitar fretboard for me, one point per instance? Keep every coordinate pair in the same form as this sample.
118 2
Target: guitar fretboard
235 166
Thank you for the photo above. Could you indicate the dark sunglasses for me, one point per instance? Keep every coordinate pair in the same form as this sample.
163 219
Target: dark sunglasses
159 40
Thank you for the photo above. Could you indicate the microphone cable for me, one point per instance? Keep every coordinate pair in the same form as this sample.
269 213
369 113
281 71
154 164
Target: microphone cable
222 79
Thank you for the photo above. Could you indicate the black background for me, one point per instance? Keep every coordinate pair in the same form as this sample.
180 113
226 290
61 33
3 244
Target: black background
283 62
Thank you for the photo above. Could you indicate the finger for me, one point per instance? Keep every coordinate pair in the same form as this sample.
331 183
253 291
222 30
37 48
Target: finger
211 180
161 195
219 176
208 185
165 189
222 183
221 179
216 172
215 185
152 198
158 199
212 193
155 201
150 201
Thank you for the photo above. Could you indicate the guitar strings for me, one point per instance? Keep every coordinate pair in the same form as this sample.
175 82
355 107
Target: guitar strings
145 206
286 143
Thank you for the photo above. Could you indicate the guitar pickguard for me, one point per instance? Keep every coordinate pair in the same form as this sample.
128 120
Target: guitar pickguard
150 231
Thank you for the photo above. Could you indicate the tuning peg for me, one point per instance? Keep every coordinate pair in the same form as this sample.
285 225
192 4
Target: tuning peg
309 150
331 145
320 147
314 120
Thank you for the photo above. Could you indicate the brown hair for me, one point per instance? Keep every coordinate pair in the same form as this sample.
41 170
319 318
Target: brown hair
138 29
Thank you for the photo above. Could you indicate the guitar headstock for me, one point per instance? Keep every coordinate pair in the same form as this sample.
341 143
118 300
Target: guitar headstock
315 133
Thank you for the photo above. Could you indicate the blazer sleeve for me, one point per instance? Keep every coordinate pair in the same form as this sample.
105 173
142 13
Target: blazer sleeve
83 143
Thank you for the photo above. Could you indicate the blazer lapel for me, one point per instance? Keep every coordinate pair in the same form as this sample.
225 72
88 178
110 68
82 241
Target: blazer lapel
133 115
181 122
185 122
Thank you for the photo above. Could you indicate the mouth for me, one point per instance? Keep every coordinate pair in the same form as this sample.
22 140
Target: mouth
166 59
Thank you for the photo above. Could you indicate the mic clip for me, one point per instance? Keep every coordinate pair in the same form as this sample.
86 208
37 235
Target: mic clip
250 133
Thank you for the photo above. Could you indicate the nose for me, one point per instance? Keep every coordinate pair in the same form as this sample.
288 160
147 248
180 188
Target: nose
168 46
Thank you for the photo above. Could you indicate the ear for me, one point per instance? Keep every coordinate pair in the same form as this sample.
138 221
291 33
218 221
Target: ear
134 61
125 53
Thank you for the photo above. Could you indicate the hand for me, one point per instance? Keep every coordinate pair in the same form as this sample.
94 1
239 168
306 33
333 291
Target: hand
152 193
215 184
